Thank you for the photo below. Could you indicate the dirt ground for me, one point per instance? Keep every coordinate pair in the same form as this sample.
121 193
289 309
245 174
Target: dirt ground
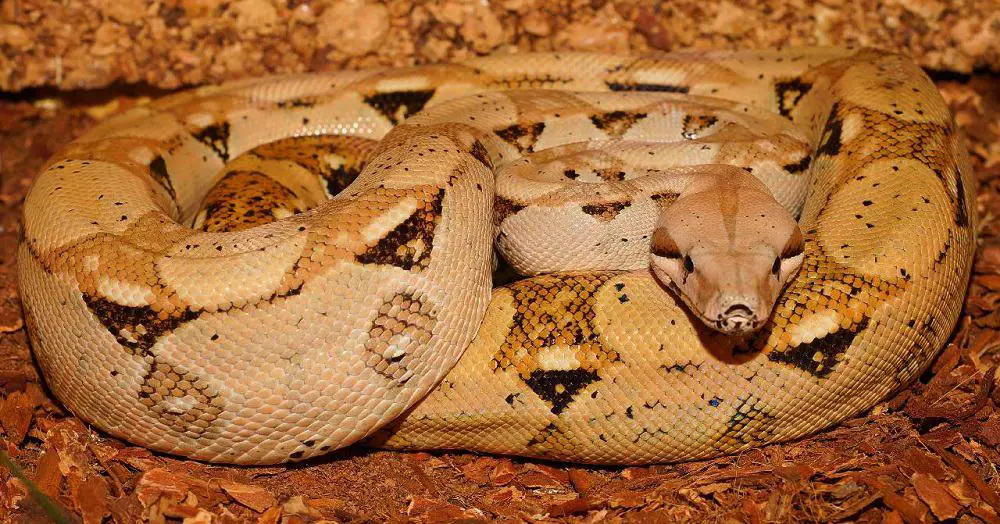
929 453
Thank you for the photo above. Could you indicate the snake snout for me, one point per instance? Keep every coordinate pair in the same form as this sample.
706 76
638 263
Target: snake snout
737 319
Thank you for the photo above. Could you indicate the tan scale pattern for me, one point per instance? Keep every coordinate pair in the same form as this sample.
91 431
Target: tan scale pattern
554 312
180 399
291 338
244 199
402 320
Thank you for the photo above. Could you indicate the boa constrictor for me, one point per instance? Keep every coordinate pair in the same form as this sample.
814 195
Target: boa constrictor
290 338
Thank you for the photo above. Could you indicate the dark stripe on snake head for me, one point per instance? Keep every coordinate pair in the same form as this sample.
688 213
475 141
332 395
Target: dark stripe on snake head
664 199
297 102
662 245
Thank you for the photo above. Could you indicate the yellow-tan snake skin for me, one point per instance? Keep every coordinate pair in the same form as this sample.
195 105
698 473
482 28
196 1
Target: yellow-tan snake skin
330 322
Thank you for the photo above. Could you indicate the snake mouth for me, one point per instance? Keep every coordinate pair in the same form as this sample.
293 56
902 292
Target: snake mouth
736 325
738 319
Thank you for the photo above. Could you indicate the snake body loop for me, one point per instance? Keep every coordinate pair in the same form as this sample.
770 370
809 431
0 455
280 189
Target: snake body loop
345 318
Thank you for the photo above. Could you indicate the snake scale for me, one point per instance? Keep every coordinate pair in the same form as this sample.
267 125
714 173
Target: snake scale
341 319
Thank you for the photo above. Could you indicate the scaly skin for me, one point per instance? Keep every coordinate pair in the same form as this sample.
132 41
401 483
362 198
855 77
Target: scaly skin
295 337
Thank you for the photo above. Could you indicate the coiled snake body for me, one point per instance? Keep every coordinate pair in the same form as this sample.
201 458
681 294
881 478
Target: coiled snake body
342 319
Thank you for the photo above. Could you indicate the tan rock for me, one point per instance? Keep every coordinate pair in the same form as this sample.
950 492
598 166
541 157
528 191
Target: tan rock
354 27
124 11
605 32
436 49
197 8
974 39
254 14
927 9
482 29
536 23
730 19
453 13
108 37
15 36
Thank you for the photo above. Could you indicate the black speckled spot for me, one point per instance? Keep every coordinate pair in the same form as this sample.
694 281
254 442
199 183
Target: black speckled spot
961 204
798 167
789 93
504 208
390 104
829 348
557 387
408 246
642 86
522 136
158 168
216 137
607 211
297 102
832 134
478 151
664 199
616 123
136 327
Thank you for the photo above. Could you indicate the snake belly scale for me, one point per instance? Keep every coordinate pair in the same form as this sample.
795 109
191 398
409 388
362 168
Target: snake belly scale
372 315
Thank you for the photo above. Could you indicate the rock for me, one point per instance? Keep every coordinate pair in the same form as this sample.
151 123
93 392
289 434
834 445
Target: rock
14 36
482 29
353 27
254 14
536 23
124 11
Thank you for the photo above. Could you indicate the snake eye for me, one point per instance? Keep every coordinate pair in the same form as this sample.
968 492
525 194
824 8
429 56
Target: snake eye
776 267
688 264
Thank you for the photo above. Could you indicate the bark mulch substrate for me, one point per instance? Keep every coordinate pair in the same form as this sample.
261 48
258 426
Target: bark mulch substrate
929 453
85 44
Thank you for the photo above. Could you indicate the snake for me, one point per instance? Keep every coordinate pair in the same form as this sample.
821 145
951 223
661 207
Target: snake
711 251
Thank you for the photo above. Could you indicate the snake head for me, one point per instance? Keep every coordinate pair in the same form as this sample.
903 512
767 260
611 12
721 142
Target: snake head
727 260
